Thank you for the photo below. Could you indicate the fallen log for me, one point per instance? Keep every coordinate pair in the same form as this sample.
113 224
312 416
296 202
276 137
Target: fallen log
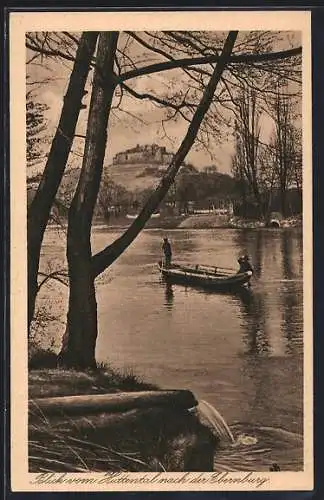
110 403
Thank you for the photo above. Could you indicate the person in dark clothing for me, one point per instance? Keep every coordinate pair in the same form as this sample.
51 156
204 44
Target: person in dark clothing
245 264
166 247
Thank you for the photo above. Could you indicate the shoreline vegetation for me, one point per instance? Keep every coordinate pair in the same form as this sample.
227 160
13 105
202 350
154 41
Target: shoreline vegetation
144 433
198 221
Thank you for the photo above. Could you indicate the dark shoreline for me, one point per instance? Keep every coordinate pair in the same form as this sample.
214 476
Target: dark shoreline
193 222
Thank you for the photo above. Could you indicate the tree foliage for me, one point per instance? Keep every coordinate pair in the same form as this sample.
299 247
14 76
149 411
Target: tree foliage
36 125
113 199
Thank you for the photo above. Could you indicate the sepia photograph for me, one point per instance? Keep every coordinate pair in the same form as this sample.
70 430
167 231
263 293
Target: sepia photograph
161 251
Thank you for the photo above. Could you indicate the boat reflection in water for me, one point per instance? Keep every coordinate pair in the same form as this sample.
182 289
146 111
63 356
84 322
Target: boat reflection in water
254 319
169 296
243 293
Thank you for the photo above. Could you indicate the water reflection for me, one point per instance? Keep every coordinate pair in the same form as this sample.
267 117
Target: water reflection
240 353
168 296
254 323
291 295
251 242
258 253
184 244
286 252
271 315
290 319
251 311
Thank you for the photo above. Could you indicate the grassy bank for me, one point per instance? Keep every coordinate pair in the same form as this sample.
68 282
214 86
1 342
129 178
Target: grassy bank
48 383
64 446
45 379
138 440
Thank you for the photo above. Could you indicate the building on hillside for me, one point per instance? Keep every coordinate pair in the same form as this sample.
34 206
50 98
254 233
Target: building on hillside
211 169
152 154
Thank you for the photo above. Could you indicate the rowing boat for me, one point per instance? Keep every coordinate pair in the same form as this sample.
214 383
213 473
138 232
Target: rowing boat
211 277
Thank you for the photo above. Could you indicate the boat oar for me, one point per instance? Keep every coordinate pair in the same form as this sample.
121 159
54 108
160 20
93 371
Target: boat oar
218 268
205 266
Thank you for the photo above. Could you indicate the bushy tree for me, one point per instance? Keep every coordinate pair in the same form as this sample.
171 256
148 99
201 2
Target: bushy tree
36 124
112 198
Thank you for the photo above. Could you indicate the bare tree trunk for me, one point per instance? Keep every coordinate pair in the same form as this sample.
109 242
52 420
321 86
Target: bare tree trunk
281 110
39 211
106 257
80 338
247 128
82 316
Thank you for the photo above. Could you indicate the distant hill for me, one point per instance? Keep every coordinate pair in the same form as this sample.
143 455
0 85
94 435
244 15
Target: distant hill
138 178
135 177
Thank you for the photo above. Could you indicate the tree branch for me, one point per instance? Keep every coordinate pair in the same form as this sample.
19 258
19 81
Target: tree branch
55 275
192 61
49 52
108 255
153 98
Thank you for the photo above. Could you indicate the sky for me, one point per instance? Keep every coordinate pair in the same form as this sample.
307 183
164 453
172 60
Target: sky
125 131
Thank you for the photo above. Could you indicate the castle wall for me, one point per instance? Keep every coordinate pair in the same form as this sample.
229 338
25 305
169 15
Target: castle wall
151 154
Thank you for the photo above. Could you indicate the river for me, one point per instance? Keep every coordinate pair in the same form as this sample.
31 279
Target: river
241 353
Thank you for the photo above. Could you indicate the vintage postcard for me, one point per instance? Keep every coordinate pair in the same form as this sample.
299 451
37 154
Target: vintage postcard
161 251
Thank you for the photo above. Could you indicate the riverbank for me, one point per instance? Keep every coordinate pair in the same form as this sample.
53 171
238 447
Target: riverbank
146 430
197 221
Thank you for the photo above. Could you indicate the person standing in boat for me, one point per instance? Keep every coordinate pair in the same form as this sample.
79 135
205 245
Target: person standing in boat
245 264
166 248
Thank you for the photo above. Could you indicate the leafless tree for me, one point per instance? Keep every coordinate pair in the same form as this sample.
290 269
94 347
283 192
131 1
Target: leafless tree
188 58
238 171
199 106
285 144
247 133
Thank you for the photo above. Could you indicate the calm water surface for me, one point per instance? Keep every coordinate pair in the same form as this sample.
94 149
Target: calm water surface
241 353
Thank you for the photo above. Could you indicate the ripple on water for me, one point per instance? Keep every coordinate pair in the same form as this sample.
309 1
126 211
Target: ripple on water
259 448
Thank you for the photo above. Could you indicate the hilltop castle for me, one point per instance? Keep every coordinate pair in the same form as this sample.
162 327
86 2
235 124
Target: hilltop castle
148 154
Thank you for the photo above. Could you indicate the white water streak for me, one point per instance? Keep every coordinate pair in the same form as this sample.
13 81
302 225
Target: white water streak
217 423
